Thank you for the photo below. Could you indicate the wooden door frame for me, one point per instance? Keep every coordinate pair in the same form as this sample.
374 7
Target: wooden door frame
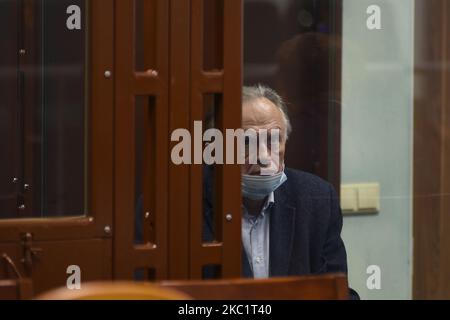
431 191
129 84
179 176
225 80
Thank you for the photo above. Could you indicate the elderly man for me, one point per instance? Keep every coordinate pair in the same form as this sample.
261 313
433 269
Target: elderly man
292 221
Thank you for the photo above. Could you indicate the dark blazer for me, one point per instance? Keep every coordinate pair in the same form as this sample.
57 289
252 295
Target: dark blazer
305 228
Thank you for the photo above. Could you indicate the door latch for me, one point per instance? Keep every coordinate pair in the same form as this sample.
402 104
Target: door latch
30 253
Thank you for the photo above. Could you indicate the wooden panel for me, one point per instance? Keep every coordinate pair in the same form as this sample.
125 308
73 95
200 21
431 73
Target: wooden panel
431 233
18 289
130 83
179 194
101 115
228 82
9 290
328 287
49 269
232 119
174 255
94 257
213 32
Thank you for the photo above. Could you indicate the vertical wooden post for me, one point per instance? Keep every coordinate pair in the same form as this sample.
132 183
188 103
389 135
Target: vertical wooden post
130 83
179 195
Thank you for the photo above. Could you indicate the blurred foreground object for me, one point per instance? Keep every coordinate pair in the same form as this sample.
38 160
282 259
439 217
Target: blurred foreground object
115 291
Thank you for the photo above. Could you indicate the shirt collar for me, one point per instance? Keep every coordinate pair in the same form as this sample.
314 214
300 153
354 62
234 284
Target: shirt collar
269 202
267 205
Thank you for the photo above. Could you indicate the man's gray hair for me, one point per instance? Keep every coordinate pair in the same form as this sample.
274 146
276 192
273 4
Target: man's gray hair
260 91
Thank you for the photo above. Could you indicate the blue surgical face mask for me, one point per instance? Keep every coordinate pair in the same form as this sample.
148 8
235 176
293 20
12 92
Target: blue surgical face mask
259 187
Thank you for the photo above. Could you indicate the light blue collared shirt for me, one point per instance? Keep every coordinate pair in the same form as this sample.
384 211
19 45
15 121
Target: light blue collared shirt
255 238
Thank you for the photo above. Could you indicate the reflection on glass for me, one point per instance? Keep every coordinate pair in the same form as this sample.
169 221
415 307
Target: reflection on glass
394 120
145 169
212 230
291 47
42 109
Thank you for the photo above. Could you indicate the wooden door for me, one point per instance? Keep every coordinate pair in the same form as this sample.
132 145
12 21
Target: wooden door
56 189
148 68
172 59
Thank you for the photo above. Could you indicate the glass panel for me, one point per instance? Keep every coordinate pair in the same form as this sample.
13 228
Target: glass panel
212 230
367 85
145 166
377 133
291 46
43 85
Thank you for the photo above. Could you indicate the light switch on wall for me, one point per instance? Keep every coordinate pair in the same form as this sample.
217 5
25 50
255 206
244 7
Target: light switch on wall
360 198
349 199
369 197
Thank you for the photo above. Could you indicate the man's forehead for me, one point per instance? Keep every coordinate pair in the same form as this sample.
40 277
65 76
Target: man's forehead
262 104
261 112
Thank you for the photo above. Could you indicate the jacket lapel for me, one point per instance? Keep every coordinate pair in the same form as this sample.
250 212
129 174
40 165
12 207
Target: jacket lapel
282 226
